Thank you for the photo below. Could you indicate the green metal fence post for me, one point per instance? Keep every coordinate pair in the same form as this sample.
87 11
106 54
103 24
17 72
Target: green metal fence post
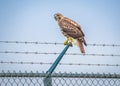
47 80
52 68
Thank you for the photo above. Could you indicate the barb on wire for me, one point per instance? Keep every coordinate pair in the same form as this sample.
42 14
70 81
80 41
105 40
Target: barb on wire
57 43
55 53
43 63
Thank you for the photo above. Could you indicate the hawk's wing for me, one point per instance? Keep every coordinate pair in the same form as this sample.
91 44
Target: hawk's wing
75 24
71 28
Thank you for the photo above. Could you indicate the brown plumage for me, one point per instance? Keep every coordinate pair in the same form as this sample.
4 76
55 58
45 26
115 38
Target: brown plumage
70 28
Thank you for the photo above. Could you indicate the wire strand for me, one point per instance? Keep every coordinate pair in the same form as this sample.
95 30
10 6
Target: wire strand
55 53
57 43
43 63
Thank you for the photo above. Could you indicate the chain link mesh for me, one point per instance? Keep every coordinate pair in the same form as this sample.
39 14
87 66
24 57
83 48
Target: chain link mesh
58 79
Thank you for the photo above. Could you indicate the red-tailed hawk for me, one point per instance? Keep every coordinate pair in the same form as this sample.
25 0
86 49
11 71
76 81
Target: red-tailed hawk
71 30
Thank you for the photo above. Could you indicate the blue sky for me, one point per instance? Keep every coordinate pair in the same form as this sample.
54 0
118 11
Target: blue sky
32 20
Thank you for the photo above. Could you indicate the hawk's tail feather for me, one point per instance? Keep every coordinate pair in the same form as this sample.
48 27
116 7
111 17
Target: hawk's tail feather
79 43
84 42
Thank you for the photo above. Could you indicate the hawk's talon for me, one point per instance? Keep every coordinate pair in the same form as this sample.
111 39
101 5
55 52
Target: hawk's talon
70 40
66 41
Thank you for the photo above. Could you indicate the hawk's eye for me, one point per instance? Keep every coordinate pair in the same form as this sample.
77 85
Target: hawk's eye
55 17
59 17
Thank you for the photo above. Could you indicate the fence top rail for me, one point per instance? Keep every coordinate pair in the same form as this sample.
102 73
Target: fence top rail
59 75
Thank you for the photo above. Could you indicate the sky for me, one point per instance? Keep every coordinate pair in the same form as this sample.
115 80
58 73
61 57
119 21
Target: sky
33 21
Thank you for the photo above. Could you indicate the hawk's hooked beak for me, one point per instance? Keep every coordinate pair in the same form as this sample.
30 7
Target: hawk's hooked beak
55 17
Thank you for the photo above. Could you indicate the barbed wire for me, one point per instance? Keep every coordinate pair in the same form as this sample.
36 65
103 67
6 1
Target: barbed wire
55 53
43 63
56 43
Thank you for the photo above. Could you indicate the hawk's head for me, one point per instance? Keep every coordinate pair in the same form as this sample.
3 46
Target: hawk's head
58 16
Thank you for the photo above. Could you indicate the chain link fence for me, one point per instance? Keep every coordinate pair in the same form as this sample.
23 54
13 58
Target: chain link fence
58 79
